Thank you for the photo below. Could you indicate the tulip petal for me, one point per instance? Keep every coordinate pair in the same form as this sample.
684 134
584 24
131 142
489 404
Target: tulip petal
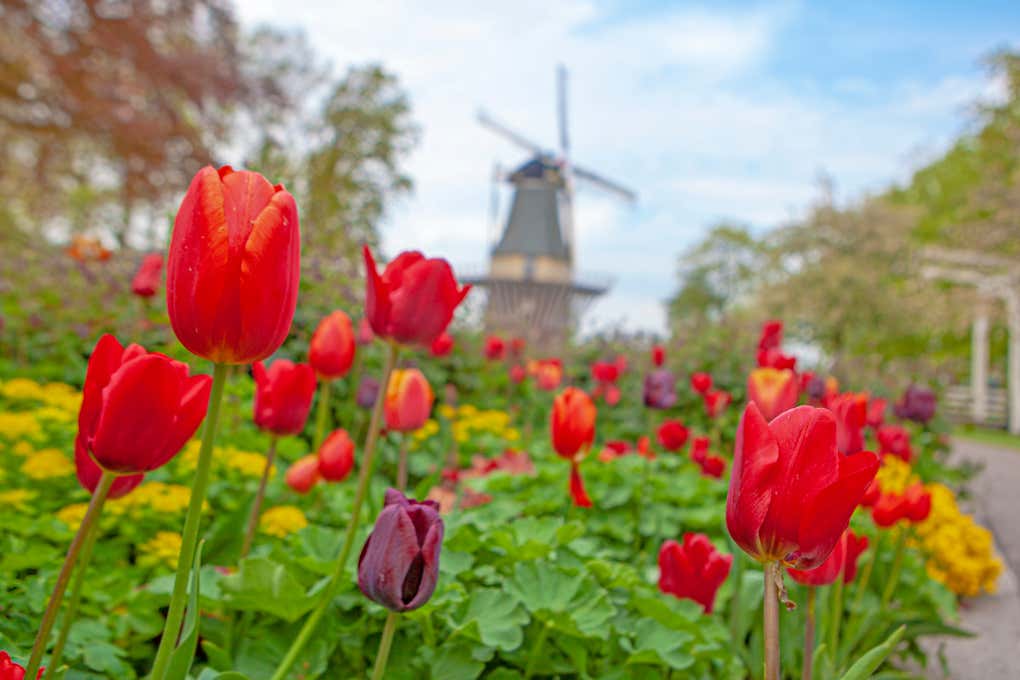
377 296
89 473
138 412
106 358
755 467
826 515
194 404
577 492
387 557
428 559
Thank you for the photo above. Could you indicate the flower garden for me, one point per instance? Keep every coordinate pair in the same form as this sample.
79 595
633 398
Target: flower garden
401 498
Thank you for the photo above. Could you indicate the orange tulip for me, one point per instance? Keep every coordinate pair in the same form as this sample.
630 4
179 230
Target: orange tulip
572 427
409 400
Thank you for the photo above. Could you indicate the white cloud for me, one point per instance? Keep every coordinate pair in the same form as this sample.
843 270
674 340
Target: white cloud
671 102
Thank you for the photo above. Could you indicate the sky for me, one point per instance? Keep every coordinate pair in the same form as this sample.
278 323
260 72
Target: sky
709 111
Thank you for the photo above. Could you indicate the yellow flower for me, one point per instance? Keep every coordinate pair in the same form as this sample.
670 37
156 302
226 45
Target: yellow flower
23 448
170 499
282 520
19 426
22 389
54 414
163 548
47 464
73 514
447 411
894 475
16 498
248 463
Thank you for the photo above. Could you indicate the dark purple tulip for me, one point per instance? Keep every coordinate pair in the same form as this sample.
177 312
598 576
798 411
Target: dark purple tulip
816 388
368 390
399 565
917 404
660 389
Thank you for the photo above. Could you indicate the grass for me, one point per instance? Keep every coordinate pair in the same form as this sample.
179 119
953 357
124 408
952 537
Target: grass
987 435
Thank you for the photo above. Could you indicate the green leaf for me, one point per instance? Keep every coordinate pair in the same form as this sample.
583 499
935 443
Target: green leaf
218 657
493 618
267 586
457 661
184 654
867 664
210 674
576 603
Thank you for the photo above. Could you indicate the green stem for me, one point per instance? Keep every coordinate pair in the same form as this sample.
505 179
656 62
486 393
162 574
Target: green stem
854 622
189 539
364 474
536 650
771 623
256 507
809 635
322 414
402 462
736 613
836 615
73 551
894 575
383 655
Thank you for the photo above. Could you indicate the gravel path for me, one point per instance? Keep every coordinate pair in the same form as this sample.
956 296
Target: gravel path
995 652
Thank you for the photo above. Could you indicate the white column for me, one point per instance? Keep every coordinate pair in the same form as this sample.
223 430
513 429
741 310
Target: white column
1012 297
979 363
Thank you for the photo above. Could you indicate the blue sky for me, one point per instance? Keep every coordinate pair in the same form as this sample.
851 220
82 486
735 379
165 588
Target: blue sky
727 110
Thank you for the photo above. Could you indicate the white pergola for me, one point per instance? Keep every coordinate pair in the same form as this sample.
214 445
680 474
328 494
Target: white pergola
995 278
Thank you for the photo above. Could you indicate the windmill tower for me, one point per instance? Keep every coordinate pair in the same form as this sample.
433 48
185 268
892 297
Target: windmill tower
533 288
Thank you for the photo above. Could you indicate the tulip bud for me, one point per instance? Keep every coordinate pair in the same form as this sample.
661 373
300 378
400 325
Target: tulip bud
660 389
851 411
573 423
283 396
917 404
303 474
399 565
409 400
336 456
672 435
412 302
234 266
138 409
331 350
658 355
701 382
146 280
716 402
694 570
495 348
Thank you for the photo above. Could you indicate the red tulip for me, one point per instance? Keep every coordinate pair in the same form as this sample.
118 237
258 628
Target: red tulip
234 266
146 281
336 456
283 396
701 383
331 350
913 505
412 302
138 409
713 466
409 400
518 373
495 348
716 402
871 494
658 355
771 334
611 394
694 570
303 474
613 449
12 671
365 334
791 491
773 358
851 411
828 571
773 390
672 435
644 447
876 412
699 449
894 440
572 426
855 545
605 371
89 474
442 345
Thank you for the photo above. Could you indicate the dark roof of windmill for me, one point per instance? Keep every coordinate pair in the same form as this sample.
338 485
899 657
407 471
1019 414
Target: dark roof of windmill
537 168
533 227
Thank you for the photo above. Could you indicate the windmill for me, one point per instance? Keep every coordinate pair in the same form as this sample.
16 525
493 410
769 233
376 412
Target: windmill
533 288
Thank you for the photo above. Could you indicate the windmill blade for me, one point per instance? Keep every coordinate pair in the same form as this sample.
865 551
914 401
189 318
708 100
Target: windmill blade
561 98
605 184
493 227
500 129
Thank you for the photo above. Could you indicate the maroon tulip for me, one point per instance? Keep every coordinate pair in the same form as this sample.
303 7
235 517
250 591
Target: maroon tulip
234 266
331 350
283 396
917 404
146 281
694 570
399 565
336 456
138 408
412 302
